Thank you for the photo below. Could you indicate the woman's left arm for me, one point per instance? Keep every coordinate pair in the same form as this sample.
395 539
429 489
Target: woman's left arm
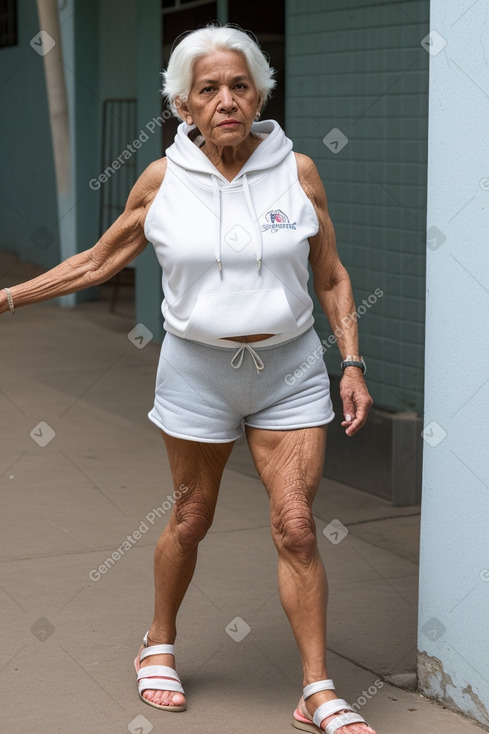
333 288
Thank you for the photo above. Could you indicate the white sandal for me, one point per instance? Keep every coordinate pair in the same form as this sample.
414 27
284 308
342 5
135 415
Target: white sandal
326 709
157 677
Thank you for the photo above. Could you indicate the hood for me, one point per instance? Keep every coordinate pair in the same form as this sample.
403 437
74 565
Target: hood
271 151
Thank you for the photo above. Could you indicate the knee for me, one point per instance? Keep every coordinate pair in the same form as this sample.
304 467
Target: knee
190 523
294 529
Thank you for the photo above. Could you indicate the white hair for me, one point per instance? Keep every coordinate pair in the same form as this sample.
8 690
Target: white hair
177 79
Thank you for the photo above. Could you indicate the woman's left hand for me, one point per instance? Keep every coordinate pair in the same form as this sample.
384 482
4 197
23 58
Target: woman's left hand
356 401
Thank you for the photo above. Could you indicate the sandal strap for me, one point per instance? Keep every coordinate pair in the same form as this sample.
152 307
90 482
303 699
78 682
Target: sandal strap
328 709
320 685
158 671
159 678
145 642
157 650
344 720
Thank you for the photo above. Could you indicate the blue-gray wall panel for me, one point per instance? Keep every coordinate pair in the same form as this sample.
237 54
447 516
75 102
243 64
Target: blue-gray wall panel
28 201
360 67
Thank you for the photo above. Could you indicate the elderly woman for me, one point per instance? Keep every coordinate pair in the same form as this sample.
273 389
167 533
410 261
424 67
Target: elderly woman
235 217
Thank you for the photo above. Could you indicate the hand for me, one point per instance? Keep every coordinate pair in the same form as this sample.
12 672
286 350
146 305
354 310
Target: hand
356 400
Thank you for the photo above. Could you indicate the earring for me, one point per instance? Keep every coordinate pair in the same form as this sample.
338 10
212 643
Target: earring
257 117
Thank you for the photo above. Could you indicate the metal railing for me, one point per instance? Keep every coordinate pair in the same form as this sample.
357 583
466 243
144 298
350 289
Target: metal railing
119 130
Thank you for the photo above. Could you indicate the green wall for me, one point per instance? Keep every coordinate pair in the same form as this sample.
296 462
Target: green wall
28 203
359 66
117 48
117 53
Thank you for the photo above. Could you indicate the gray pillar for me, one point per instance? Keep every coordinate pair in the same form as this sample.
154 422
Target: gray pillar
222 11
454 576
149 63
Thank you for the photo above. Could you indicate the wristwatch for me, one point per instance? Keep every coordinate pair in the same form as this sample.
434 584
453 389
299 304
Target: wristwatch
354 360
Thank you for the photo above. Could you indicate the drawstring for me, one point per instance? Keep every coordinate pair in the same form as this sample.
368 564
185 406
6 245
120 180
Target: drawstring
254 219
239 357
216 195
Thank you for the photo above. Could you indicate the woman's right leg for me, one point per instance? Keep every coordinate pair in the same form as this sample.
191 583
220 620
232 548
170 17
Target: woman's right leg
196 471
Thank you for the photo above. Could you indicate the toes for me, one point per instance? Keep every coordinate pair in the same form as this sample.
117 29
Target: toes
178 699
164 698
153 696
173 699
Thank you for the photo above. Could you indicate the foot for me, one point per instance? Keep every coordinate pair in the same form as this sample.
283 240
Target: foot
307 709
159 698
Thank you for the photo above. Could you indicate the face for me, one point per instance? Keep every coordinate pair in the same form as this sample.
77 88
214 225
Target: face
223 99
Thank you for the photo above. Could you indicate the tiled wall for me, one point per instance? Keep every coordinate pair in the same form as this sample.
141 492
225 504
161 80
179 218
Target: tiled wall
359 66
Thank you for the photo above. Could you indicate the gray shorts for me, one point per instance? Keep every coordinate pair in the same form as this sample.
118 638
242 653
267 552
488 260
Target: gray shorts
207 393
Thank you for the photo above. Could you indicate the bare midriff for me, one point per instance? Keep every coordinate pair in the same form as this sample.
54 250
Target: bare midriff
249 337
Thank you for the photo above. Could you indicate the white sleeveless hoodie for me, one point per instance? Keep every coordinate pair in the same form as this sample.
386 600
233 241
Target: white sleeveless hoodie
234 253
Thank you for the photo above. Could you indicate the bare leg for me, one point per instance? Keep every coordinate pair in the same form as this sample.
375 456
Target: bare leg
196 471
290 466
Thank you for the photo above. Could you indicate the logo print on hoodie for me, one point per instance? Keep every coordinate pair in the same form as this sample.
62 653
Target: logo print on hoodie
277 219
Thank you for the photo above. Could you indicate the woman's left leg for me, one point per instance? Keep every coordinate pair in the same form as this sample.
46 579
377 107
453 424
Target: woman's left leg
290 465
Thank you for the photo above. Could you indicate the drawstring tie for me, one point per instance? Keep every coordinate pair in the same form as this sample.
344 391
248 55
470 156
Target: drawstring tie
216 198
216 195
254 219
238 358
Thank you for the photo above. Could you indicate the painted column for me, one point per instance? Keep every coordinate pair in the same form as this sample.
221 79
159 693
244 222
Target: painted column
149 62
222 11
453 638
57 29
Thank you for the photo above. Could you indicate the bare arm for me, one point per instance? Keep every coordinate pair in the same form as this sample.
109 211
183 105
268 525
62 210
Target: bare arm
333 288
120 244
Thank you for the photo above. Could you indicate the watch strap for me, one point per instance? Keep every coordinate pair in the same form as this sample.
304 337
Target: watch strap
354 363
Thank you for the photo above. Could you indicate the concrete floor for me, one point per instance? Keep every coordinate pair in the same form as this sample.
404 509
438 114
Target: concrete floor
82 470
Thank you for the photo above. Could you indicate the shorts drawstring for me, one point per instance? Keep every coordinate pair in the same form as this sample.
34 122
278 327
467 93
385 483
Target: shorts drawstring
239 357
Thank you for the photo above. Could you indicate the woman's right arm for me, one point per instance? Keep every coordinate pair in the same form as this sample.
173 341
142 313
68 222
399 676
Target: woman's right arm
120 244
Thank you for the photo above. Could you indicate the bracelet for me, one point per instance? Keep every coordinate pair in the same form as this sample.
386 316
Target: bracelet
10 300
